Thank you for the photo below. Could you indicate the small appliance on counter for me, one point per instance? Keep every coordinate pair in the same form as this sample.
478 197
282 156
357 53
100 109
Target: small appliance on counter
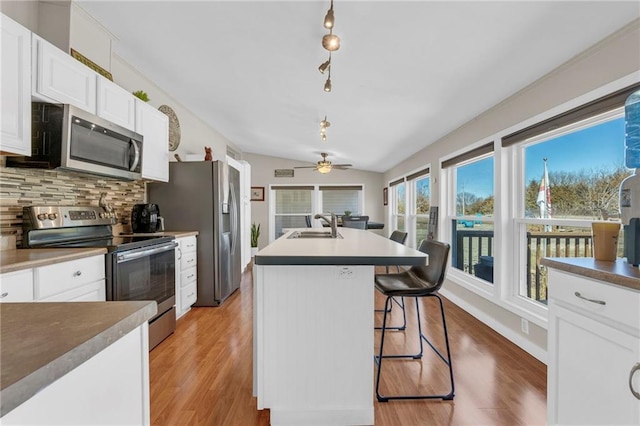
630 216
145 218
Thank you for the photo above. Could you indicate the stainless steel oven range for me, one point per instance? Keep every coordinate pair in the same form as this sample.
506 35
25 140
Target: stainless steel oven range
137 267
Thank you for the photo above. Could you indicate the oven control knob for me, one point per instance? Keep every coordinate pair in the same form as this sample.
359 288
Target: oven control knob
42 216
101 215
52 216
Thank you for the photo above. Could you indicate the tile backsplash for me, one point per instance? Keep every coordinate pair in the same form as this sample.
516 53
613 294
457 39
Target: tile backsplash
24 187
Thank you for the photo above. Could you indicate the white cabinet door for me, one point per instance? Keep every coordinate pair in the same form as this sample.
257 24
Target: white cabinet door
116 104
60 78
16 286
153 125
178 270
15 88
593 344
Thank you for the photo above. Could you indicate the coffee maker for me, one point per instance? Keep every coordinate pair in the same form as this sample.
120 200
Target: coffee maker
630 216
144 218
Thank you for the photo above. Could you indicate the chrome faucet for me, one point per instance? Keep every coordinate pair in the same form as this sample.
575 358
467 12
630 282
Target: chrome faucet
333 223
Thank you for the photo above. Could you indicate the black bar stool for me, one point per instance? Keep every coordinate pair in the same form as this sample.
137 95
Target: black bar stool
399 237
419 281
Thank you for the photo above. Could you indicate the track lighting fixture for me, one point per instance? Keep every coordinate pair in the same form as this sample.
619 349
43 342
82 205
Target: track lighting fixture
325 65
331 42
323 128
327 84
329 19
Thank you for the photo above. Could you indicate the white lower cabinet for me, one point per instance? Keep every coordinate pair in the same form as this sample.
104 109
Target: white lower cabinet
17 286
110 388
594 351
75 280
186 274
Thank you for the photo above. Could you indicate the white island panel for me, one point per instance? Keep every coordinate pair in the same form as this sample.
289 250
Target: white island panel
315 348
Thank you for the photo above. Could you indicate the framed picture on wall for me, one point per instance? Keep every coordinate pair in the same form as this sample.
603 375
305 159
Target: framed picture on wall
385 195
257 193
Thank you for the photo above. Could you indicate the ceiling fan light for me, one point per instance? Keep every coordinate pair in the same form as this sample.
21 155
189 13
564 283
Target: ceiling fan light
324 137
327 85
324 169
331 42
329 20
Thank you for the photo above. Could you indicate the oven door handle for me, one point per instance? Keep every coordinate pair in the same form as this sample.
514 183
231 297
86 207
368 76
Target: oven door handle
137 254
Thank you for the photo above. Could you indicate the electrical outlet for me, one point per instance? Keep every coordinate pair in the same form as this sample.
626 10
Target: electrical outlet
345 272
524 325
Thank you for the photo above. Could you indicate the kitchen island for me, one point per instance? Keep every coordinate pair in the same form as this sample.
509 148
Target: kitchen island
313 325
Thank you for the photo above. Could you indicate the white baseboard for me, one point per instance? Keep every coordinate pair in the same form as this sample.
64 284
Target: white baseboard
534 350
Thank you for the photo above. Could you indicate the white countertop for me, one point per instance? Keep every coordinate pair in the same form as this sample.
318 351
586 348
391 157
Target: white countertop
357 247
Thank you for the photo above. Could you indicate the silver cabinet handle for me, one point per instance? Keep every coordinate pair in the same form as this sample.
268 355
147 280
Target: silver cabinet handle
77 273
635 368
179 251
599 302
3 295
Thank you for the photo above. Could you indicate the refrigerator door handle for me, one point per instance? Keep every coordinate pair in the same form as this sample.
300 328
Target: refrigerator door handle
234 218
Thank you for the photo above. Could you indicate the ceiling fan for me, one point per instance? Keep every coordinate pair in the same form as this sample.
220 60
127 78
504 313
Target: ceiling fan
324 165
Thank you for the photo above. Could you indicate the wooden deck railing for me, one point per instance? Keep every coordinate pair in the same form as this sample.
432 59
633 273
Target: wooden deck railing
469 245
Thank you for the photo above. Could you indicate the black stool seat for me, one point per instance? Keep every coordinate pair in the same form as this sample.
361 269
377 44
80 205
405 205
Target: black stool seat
403 284
417 282
399 237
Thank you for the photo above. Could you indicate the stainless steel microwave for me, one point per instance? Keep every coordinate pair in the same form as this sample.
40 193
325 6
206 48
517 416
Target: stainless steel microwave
67 137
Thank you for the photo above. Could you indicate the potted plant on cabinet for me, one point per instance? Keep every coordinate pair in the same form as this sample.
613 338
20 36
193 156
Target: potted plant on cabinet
255 234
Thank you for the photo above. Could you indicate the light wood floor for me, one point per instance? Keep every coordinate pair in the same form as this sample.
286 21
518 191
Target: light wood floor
202 374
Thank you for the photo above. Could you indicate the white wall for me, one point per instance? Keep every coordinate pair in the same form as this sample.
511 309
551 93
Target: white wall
262 174
611 59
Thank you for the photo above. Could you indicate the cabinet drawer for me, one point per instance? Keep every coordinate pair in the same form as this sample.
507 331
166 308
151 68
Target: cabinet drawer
188 276
620 304
17 286
93 292
188 296
188 244
189 260
61 277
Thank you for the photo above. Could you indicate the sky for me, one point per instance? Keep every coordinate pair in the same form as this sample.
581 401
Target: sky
596 147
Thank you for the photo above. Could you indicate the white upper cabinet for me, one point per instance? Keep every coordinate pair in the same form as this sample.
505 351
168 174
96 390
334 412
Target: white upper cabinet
116 104
60 78
153 125
15 88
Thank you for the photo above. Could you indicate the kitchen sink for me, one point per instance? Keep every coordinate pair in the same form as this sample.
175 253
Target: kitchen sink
311 234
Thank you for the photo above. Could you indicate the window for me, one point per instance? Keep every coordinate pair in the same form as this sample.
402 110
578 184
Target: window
571 177
341 199
419 195
292 204
398 204
567 170
470 177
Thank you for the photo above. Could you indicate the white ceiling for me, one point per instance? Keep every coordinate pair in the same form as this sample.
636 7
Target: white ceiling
407 73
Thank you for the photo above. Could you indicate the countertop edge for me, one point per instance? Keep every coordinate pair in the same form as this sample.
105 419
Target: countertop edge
20 391
337 260
176 234
60 255
619 272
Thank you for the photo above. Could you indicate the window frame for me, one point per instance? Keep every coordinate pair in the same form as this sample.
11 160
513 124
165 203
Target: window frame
316 201
510 181
411 217
512 293
448 199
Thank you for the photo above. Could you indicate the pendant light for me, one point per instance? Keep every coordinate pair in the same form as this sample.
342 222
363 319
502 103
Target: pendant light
327 84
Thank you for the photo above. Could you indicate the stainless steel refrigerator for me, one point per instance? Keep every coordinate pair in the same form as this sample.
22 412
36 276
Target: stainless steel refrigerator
204 196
